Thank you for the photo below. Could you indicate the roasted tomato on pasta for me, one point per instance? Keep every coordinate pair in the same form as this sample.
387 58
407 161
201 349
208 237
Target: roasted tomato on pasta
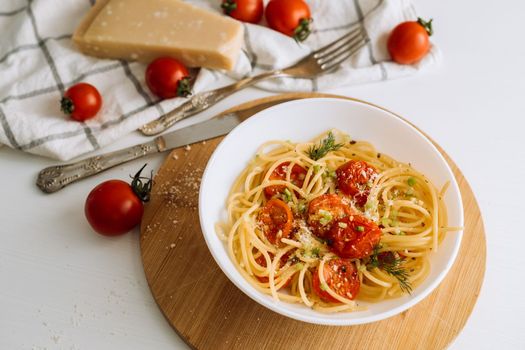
338 222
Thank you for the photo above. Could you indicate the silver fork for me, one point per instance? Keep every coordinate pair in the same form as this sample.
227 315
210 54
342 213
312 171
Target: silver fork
323 60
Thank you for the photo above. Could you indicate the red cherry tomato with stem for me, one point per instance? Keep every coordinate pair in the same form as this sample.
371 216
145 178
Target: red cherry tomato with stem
409 41
81 102
115 207
250 11
167 77
290 17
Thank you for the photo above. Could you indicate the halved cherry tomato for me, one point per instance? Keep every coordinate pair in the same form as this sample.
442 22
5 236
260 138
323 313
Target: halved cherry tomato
262 261
81 102
323 211
353 237
340 276
166 77
354 177
290 17
276 220
409 42
250 11
297 176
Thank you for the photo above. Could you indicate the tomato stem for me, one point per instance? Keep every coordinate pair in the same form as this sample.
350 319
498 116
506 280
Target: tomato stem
426 25
303 30
184 88
66 105
229 6
142 190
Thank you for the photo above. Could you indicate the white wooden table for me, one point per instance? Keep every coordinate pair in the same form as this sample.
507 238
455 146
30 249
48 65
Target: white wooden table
64 287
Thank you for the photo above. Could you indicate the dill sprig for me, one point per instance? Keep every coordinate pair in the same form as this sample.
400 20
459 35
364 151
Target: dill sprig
393 265
326 145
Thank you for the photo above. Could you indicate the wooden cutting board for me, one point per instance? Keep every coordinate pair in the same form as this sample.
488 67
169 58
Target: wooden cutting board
209 312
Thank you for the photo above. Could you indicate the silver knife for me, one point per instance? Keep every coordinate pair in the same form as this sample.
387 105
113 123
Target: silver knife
56 177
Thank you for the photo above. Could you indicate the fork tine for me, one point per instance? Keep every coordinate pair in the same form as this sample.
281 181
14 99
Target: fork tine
332 64
349 40
335 53
335 42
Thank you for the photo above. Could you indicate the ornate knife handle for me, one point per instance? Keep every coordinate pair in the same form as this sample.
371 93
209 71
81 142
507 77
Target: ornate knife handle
201 102
56 177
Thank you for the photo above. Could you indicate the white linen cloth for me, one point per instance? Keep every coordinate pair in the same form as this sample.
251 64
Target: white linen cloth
38 62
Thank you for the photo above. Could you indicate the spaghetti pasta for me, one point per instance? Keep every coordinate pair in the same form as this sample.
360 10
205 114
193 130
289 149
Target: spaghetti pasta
332 221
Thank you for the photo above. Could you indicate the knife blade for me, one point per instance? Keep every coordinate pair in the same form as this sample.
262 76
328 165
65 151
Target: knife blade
54 178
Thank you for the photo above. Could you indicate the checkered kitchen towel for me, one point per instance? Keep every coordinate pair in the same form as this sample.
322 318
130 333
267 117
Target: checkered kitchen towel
38 62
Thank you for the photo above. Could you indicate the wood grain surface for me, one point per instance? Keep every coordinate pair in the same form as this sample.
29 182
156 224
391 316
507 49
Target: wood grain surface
209 312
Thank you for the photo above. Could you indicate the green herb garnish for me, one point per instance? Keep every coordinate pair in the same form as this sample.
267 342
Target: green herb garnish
326 217
393 265
316 252
360 228
326 145
411 181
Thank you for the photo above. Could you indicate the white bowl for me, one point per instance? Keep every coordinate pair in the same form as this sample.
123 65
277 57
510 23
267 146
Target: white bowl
300 121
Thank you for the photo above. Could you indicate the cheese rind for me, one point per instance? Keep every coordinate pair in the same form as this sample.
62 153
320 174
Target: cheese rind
142 30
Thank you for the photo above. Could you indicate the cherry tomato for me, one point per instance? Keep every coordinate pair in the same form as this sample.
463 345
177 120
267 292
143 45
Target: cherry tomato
262 261
276 219
409 42
354 177
166 77
353 237
323 211
297 176
114 207
250 11
340 276
290 17
81 102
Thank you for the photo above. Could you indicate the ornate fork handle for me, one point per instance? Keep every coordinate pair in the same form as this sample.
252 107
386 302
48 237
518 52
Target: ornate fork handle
201 102
54 178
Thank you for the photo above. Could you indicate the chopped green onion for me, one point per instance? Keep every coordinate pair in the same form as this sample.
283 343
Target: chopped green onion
411 181
360 228
342 224
287 195
324 286
317 167
326 217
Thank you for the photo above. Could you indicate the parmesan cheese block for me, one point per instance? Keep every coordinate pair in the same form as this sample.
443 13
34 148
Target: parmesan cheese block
142 30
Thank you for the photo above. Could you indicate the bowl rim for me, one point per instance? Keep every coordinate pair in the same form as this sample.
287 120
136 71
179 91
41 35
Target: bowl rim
257 296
